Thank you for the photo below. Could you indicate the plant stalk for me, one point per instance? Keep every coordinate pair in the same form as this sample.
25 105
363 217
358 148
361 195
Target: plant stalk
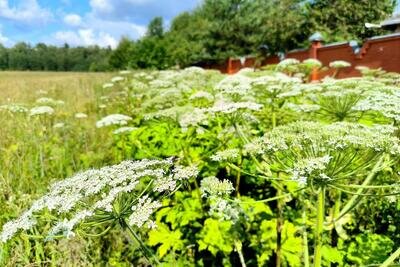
356 198
306 257
238 246
144 248
319 228
279 227
388 262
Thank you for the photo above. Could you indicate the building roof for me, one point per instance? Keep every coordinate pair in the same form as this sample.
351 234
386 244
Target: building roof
391 23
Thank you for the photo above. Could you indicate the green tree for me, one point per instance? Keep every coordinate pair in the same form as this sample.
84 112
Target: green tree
120 57
20 57
155 28
342 20
185 39
3 58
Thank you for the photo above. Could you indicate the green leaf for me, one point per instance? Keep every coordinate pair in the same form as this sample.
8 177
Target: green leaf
332 255
369 249
216 236
169 240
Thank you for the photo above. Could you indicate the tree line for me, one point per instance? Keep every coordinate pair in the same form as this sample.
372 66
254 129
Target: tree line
212 32
42 57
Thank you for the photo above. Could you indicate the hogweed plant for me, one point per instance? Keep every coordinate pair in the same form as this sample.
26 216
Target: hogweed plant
125 194
335 157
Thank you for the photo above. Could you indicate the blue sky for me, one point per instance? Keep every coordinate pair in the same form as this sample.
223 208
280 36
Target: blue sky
83 22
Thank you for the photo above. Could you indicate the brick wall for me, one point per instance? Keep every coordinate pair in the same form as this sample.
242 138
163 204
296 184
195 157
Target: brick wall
377 52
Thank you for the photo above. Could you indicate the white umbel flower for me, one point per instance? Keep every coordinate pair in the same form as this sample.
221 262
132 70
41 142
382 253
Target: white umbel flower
80 115
41 110
125 72
143 210
49 101
306 168
108 85
211 186
14 108
312 62
337 64
97 188
59 125
229 154
117 79
124 130
230 107
113 119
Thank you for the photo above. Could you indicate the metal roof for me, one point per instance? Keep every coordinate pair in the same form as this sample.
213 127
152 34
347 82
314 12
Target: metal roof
391 22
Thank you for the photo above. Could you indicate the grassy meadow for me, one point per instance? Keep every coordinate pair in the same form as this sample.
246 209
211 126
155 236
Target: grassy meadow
34 153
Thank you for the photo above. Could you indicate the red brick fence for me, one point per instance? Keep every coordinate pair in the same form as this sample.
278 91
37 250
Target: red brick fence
377 52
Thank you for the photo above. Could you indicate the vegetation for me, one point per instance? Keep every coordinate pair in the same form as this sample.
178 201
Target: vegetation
202 169
42 57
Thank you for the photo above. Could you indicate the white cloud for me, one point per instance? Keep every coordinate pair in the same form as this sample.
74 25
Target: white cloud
85 37
140 11
116 28
101 5
26 12
92 29
72 20
4 40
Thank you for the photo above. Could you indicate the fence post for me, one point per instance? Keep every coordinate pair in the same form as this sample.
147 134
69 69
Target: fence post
229 68
316 42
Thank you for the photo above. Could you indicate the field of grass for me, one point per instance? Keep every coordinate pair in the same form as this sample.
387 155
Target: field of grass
33 153
197 168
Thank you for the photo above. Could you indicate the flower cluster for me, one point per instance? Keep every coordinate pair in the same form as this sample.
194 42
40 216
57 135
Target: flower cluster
14 108
211 186
222 106
225 155
387 103
312 150
337 64
83 195
80 115
143 210
123 130
41 110
114 119
49 101
307 168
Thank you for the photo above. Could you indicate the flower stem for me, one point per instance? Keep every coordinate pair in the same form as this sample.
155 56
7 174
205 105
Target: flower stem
319 228
356 198
279 227
306 260
146 251
238 246
388 262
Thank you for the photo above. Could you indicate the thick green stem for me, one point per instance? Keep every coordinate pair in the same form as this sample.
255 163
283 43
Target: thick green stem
238 247
279 227
356 198
273 118
319 228
238 175
306 256
391 259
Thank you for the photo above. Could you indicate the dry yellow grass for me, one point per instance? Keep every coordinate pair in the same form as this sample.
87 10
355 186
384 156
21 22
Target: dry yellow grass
20 86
